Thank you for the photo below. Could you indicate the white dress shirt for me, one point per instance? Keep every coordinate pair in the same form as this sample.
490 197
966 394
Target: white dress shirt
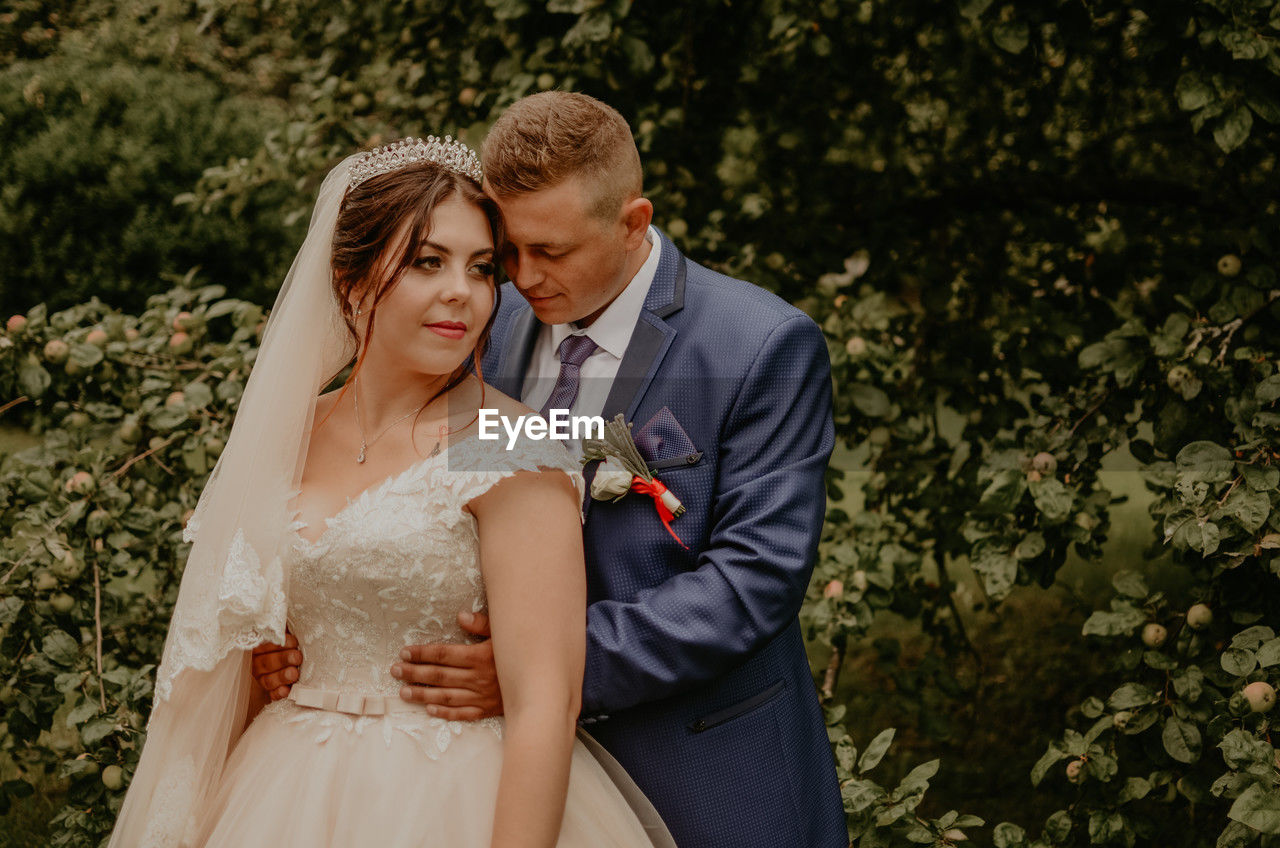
611 332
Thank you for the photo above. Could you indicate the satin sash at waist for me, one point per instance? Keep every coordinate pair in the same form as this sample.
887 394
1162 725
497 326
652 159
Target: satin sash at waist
351 702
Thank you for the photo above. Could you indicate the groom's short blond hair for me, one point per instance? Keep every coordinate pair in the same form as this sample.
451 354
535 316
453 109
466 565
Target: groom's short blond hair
546 138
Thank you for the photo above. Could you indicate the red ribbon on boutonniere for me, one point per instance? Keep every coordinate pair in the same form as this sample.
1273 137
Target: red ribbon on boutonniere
623 470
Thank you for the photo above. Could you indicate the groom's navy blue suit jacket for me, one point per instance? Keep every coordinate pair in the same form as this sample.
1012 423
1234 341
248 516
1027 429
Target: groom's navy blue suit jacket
696 675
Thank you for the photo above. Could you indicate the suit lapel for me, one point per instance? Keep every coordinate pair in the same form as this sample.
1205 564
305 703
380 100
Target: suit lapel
652 335
517 352
649 343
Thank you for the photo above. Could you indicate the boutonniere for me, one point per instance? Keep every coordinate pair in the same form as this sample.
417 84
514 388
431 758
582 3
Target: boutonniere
622 469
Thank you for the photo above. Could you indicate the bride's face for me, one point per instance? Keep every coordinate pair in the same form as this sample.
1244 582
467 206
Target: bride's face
430 321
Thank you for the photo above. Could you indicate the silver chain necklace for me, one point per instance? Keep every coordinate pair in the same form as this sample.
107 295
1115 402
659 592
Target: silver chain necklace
365 444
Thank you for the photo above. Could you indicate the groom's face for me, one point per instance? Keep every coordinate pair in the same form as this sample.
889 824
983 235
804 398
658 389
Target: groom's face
568 261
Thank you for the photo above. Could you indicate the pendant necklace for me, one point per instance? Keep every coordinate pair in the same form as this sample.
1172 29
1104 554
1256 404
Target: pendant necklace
366 444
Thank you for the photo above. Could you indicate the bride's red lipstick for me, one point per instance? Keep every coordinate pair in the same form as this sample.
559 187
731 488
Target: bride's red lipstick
449 329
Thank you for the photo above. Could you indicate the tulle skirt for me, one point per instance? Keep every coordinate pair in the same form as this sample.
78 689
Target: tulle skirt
303 777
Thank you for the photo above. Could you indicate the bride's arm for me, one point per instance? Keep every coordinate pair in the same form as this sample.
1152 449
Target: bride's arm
535 578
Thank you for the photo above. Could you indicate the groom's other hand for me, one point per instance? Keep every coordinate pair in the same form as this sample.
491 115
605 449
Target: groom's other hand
275 667
456 682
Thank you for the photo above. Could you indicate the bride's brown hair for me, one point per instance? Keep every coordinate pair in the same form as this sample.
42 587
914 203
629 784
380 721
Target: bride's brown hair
364 268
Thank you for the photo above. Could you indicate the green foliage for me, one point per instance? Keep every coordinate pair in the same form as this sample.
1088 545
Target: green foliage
97 147
1044 244
882 817
991 359
132 413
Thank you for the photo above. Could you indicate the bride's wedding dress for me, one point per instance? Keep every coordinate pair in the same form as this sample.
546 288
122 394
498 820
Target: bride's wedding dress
343 761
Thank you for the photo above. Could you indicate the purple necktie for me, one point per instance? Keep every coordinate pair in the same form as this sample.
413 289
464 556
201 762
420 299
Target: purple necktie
574 351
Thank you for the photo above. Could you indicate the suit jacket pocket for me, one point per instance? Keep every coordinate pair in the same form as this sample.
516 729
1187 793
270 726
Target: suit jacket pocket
682 461
664 444
741 708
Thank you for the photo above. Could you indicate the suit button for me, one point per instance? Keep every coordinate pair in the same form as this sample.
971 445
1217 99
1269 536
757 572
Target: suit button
699 726
691 459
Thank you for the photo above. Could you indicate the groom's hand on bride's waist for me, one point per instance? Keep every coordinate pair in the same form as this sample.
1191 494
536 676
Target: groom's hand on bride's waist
456 682
275 667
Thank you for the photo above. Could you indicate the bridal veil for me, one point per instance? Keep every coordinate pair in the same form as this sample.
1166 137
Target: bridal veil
232 595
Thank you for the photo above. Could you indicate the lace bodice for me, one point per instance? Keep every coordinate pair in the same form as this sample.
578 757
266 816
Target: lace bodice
394 567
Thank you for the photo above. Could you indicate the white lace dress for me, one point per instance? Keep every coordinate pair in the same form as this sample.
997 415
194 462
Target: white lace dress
344 762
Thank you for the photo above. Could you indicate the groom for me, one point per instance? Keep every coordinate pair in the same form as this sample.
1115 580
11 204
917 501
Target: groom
696 675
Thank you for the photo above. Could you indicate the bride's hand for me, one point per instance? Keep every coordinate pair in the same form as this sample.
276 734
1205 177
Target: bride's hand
275 667
457 682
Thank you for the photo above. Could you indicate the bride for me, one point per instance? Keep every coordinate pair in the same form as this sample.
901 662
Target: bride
363 518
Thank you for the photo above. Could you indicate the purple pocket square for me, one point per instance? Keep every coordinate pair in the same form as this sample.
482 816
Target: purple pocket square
662 438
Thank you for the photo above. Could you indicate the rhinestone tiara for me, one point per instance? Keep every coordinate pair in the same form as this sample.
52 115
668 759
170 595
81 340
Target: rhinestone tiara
447 152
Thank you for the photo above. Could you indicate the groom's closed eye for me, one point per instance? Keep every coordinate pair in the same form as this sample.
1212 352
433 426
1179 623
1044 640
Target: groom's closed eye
545 250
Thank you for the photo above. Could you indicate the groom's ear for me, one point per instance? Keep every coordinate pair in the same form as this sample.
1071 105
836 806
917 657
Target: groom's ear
637 214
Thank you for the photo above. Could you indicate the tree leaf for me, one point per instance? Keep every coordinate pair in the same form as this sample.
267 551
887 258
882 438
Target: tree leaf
1234 129
1003 492
1115 623
87 709
876 750
60 647
1249 508
1238 661
1259 808
1135 789
1131 695
85 355
1058 826
1046 762
1241 749
1252 638
592 26
1265 107
1208 461
1236 835
10 608
1102 766
1105 826
1104 354
1012 36
998 571
858 795
33 380
1181 740
96 730
1008 835
1193 92
1267 390
973 9
1261 478
198 394
1030 547
869 400
918 777
1053 499
1130 584
1188 683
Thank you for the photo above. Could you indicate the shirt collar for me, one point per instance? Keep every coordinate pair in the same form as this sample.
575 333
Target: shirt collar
612 330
